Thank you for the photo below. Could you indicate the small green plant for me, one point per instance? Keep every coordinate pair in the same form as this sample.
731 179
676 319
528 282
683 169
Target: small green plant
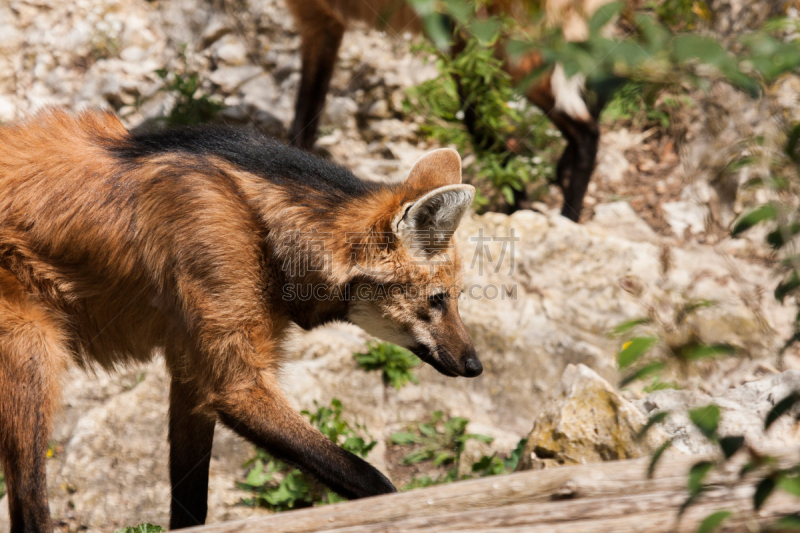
646 105
681 14
280 487
394 362
192 106
492 465
440 441
2 484
104 46
141 528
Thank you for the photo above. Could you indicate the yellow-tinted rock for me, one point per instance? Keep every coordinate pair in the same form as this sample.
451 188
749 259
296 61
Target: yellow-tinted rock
586 421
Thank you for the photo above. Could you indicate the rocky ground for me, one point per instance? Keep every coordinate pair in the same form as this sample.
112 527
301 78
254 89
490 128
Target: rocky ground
653 238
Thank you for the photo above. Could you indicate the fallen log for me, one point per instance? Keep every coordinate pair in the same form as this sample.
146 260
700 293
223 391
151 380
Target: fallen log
599 497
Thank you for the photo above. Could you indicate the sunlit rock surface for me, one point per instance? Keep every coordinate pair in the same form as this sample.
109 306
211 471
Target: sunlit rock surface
586 421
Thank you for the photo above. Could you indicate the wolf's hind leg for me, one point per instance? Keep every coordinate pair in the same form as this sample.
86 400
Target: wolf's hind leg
32 355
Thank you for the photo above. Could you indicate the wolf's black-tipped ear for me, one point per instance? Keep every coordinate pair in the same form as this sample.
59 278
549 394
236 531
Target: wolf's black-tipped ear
429 223
435 169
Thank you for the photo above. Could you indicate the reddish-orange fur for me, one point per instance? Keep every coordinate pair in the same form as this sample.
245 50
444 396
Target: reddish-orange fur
104 261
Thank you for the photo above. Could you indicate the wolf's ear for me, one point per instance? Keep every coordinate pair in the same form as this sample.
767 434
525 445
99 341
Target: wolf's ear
428 223
435 169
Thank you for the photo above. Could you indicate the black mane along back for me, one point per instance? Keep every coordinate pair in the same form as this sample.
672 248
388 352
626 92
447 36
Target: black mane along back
251 151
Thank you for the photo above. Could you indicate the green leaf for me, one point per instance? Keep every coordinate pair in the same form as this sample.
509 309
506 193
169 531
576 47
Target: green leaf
763 490
438 29
483 463
460 10
404 438
629 325
750 219
697 474
480 438
790 484
781 408
793 144
417 457
656 36
513 459
706 419
518 48
257 477
651 468
694 305
783 234
427 429
652 421
731 445
787 523
443 458
604 15
633 349
486 30
707 50
705 351
508 193
643 372
786 286
712 522
657 384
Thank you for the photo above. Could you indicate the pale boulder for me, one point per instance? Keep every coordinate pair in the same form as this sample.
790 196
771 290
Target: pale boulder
586 421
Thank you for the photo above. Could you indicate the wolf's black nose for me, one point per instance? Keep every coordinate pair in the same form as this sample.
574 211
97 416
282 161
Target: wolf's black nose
472 367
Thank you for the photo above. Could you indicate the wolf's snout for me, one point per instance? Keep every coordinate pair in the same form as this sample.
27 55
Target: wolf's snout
472 367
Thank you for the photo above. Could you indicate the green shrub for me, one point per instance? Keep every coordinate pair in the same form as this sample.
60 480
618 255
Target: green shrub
440 440
280 487
514 147
192 106
394 362
2 484
141 528
492 465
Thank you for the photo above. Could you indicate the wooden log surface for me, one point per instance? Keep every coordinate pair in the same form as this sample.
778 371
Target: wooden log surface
600 497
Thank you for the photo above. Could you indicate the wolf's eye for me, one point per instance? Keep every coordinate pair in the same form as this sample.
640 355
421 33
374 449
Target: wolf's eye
438 301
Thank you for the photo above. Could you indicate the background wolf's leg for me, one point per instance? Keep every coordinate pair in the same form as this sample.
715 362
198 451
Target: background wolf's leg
576 164
322 33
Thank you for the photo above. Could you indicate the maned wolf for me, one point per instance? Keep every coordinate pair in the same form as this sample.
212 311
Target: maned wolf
115 246
322 24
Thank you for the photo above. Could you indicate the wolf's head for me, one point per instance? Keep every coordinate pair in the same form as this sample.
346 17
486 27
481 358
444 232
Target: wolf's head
409 287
